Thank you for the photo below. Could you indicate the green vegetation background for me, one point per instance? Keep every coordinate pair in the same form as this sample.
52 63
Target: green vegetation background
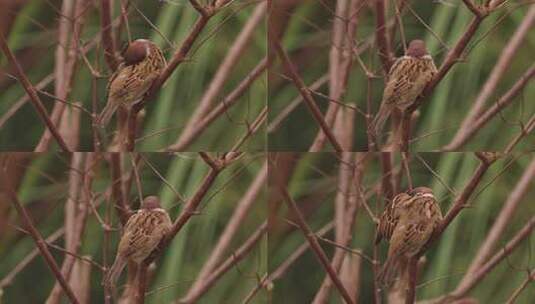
308 41
43 191
314 186
36 27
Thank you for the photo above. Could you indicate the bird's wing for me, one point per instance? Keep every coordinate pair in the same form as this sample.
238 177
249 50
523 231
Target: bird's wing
390 217
409 237
399 81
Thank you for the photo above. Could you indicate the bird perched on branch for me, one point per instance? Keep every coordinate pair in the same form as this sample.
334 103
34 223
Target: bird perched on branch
406 79
407 223
143 63
142 234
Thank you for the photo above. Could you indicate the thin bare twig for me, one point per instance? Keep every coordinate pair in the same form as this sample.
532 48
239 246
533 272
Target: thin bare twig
314 244
32 93
307 97
40 242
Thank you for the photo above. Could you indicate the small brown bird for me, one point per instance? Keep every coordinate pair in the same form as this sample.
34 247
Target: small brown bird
142 233
407 78
407 223
143 62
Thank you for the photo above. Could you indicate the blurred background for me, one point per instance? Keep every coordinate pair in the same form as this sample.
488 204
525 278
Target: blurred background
320 183
236 198
306 31
31 28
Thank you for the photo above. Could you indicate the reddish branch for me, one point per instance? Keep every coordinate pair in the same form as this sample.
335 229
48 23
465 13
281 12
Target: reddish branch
341 62
203 122
178 57
478 276
220 78
501 222
65 65
226 265
190 209
477 124
382 41
460 203
121 206
234 223
107 36
307 96
314 244
41 243
347 205
32 93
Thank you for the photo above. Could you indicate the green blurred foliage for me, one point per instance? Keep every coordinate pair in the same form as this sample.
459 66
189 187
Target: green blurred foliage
43 190
314 187
35 30
308 40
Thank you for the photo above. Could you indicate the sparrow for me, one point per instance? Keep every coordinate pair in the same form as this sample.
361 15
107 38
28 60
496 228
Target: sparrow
406 80
142 64
142 233
407 223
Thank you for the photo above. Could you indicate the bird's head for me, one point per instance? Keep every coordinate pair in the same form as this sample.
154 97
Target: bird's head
422 192
137 51
417 48
151 202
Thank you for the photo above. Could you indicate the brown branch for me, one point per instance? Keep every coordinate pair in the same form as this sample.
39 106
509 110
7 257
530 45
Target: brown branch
218 81
198 7
462 200
530 278
8 279
71 237
232 260
526 129
412 272
141 277
216 166
251 129
382 41
452 57
32 93
189 135
314 244
65 70
474 8
234 223
459 204
121 206
347 204
501 221
340 26
110 49
285 265
24 99
387 184
179 56
478 276
477 124
40 242
307 97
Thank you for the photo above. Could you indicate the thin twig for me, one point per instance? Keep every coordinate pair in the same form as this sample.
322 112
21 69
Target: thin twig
40 242
314 244
32 93
307 96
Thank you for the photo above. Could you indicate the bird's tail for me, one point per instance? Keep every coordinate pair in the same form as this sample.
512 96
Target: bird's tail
107 113
380 119
389 271
115 271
